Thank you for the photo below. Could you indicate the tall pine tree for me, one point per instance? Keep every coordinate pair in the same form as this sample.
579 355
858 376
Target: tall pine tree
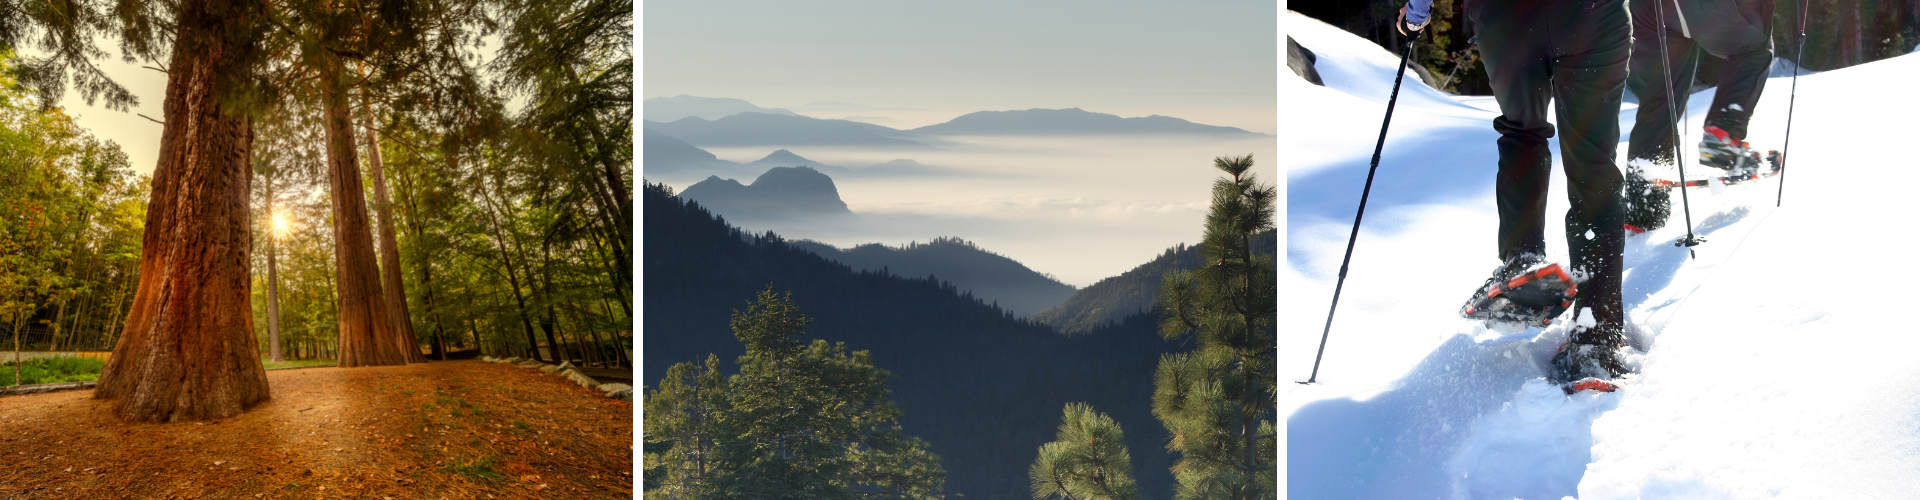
1217 401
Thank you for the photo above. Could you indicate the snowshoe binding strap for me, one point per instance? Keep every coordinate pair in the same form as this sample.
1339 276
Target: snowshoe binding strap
1589 384
1533 298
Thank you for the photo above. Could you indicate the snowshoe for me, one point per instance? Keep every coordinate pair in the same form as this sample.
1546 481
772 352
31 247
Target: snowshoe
1590 384
1720 150
1747 169
1526 291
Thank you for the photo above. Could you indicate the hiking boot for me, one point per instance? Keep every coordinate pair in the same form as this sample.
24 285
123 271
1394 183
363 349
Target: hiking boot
1577 361
1720 150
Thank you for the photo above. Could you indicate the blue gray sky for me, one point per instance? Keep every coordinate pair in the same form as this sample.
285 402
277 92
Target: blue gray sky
1209 61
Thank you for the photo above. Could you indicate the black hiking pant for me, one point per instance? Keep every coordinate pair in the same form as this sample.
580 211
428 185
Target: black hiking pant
1735 30
1573 53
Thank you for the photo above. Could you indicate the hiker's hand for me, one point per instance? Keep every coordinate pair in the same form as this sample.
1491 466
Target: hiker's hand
1403 27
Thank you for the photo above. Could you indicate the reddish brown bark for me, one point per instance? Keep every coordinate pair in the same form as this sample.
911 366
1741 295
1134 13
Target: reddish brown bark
396 291
366 330
187 351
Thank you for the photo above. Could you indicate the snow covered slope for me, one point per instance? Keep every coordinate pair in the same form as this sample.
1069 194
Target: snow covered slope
1778 363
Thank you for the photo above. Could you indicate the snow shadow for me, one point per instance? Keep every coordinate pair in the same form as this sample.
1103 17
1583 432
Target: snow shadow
1536 446
1444 169
1408 441
1651 263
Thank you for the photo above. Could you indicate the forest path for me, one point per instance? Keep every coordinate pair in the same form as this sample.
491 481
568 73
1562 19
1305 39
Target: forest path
456 429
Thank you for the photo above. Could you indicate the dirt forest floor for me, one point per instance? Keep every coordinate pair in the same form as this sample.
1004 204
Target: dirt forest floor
455 429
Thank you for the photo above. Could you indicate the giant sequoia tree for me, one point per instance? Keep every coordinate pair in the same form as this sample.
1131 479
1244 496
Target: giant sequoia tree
187 350
538 199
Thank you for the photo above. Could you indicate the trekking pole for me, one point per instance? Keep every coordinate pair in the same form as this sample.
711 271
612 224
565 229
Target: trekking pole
1666 68
1799 54
1377 146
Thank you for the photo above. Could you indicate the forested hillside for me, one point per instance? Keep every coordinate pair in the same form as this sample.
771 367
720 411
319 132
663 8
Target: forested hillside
989 276
1112 300
983 388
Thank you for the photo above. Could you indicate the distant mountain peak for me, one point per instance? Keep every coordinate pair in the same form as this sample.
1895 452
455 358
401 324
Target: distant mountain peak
765 129
1068 121
670 109
782 156
782 193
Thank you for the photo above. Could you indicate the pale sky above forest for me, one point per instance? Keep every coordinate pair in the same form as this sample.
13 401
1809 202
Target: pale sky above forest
1209 61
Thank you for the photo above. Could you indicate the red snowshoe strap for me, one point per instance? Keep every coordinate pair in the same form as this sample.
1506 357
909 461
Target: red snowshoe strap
1550 270
1590 384
1636 229
1721 135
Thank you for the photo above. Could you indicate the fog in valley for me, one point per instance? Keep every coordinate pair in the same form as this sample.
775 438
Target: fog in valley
1082 208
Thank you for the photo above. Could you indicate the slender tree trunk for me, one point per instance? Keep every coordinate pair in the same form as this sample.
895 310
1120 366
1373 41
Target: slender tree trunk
513 278
76 336
396 290
119 299
273 282
53 339
548 324
187 351
367 336
16 346
421 242
620 353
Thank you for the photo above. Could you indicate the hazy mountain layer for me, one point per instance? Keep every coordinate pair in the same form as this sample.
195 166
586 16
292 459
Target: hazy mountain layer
762 129
1071 121
666 109
990 276
667 155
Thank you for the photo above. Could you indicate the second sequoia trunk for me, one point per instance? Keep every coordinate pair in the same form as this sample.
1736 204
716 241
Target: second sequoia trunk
367 336
396 291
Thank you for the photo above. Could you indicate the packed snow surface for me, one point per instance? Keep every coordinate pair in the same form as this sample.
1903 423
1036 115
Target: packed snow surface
1777 361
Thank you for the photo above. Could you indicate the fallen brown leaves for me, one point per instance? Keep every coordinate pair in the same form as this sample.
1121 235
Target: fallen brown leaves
459 429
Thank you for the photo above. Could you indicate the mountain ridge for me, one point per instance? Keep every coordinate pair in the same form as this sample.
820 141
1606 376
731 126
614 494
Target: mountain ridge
1112 300
763 129
666 109
988 275
1069 121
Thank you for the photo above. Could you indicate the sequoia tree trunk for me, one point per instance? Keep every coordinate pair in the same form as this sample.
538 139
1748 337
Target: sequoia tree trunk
187 351
366 329
396 291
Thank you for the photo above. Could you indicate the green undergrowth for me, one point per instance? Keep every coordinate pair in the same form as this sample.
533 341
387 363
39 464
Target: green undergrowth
480 470
295 363
51 370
